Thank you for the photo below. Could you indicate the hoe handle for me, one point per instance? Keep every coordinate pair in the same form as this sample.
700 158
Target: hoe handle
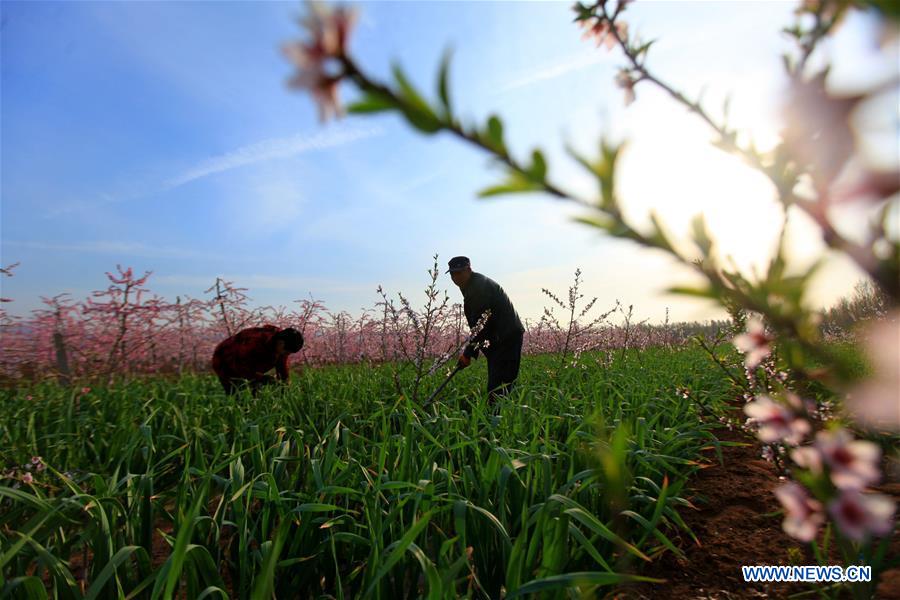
442 386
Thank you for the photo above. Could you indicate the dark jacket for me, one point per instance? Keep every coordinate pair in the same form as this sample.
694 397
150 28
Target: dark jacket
248 354
502 327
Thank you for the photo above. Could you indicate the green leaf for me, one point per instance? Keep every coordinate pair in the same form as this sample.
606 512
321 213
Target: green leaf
435 585
409 93
699 292
265 580
424 122
316 507
515 183
416 109
13 550
538 166
490 517
397 549
643 48
495 133
660 236
578 579
443 83
209 591
584 162
26 588
110 570
63 581
650 528
372 102
588 547
171 571
587 519
600 221
701 234
603 169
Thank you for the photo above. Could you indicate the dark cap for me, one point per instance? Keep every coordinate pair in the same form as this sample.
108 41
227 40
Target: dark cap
458 263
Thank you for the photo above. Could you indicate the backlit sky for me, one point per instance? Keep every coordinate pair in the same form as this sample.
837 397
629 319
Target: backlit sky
162 136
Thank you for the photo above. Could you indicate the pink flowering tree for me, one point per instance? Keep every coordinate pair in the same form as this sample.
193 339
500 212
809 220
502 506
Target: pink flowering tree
127 319
817 165
575 334
230 306
189 319
14 337
55 327
415 335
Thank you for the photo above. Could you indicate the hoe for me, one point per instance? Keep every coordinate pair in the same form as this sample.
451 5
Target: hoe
442 386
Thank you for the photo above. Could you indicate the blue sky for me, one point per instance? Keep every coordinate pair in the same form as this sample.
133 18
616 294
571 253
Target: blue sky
162 136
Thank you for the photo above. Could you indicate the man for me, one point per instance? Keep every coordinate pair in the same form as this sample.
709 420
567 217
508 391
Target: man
502 332
246 356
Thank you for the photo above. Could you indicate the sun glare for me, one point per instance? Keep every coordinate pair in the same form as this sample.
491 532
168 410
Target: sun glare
692 178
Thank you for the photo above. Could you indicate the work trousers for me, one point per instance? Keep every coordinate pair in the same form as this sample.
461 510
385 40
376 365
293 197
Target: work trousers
503 366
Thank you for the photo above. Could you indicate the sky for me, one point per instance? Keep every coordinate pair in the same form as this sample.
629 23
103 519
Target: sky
162 136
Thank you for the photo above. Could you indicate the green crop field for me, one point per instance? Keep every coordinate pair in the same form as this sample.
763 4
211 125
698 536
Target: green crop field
336 487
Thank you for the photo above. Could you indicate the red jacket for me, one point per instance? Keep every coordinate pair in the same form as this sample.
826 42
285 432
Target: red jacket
249 354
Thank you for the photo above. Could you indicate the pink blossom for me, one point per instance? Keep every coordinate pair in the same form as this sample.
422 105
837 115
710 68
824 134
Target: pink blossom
329 30
859 516
602 33
853 463
876 402
799 404
819 131
808 457
776 421
38 463
826 8
625 81
28 478
804 513
756 344
85 390
866 185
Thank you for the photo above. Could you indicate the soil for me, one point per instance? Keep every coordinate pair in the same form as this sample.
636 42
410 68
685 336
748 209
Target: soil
734 524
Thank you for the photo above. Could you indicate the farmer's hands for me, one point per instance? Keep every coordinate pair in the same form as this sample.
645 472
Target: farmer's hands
463 362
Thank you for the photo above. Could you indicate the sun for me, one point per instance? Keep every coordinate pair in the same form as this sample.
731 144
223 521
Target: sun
682 178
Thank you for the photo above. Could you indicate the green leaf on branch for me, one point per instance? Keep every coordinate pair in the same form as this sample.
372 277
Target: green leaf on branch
443 85
373 102
607 223
408 92
699 292
415 108
701 234
424 122
599 221
603 168
538 170
583 12
643 48
777 265
660 237
494 134
515 183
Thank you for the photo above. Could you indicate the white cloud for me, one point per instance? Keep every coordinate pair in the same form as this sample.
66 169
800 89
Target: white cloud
112 247
271 149
299 285
257 152
554 70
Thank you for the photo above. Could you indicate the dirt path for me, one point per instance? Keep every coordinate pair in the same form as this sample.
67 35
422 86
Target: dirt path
734 524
